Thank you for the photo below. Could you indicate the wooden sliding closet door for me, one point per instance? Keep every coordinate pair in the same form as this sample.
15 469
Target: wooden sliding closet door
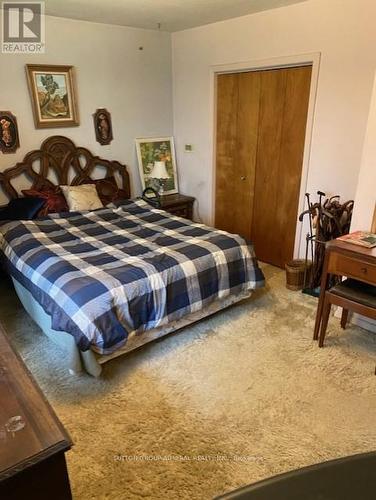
264 226
282 126
261 125
238 97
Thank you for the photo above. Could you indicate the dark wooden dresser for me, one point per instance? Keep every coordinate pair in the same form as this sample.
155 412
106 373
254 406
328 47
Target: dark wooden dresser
178 204
32 439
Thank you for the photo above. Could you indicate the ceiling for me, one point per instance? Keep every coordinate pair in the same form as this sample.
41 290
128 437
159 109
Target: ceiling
173 15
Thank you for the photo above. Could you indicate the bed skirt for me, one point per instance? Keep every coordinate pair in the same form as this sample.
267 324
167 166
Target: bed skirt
91 362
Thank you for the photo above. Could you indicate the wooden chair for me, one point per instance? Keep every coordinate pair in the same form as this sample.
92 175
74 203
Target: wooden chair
351 295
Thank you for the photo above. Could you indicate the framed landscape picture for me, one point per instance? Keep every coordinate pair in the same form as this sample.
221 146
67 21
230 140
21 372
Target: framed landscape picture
52 91
159 149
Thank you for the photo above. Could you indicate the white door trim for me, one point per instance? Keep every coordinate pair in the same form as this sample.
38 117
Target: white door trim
263 64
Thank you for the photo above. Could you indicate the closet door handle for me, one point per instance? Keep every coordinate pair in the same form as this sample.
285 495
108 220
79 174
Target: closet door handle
243 178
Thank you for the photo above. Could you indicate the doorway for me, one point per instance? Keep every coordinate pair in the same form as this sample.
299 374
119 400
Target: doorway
261 128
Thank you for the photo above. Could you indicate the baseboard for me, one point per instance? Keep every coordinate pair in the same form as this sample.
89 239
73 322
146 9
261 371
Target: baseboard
363 322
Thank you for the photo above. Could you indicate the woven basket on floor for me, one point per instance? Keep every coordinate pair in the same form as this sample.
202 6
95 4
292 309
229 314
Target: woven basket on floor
295 274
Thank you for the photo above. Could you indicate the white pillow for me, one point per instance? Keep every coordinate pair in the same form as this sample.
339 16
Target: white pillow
83 197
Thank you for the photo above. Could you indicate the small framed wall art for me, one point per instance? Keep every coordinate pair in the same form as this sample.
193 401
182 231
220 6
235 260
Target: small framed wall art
9 141
53 95
103 126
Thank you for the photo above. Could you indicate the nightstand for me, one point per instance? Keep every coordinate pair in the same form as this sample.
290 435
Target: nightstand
178 204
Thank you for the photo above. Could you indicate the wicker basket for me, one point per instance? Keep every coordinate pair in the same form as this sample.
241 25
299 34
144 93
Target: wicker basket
295 274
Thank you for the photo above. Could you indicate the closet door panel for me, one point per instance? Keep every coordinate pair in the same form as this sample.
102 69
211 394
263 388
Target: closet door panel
265 234
248 125
227 184
291 157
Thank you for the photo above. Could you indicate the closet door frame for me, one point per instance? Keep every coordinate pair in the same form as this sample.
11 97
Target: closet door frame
312 59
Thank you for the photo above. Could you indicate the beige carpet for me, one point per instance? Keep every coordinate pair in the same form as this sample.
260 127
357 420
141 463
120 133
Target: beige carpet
231 400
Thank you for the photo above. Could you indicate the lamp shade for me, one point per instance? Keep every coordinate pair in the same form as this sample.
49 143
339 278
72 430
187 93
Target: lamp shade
159 171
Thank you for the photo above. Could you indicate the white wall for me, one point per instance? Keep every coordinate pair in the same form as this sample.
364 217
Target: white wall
111 72
342 31
365 197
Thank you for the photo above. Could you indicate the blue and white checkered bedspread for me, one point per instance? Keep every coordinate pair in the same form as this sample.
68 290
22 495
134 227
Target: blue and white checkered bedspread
104 274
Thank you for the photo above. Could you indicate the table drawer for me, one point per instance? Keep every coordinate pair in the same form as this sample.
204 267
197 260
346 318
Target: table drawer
353 268
180 212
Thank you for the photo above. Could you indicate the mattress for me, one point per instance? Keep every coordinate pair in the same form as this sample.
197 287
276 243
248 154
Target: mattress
77 361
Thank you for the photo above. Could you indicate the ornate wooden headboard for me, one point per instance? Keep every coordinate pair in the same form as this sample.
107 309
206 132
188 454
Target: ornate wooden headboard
61 159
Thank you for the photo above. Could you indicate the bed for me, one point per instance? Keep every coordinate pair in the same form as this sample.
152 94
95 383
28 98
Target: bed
104 282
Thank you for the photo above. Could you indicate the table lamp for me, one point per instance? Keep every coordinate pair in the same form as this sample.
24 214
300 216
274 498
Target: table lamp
159 172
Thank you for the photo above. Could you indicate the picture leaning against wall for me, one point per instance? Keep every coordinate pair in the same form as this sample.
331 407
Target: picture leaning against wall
152 150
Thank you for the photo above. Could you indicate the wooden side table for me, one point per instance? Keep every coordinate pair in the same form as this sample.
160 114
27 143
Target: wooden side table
178 204
32 439
345 259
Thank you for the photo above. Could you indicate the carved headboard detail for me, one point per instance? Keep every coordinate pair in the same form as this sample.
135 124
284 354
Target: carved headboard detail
70 164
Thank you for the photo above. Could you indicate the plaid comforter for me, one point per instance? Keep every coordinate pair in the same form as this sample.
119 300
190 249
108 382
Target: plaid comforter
104 274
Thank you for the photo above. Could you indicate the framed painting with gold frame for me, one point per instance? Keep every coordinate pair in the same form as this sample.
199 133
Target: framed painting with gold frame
53 95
